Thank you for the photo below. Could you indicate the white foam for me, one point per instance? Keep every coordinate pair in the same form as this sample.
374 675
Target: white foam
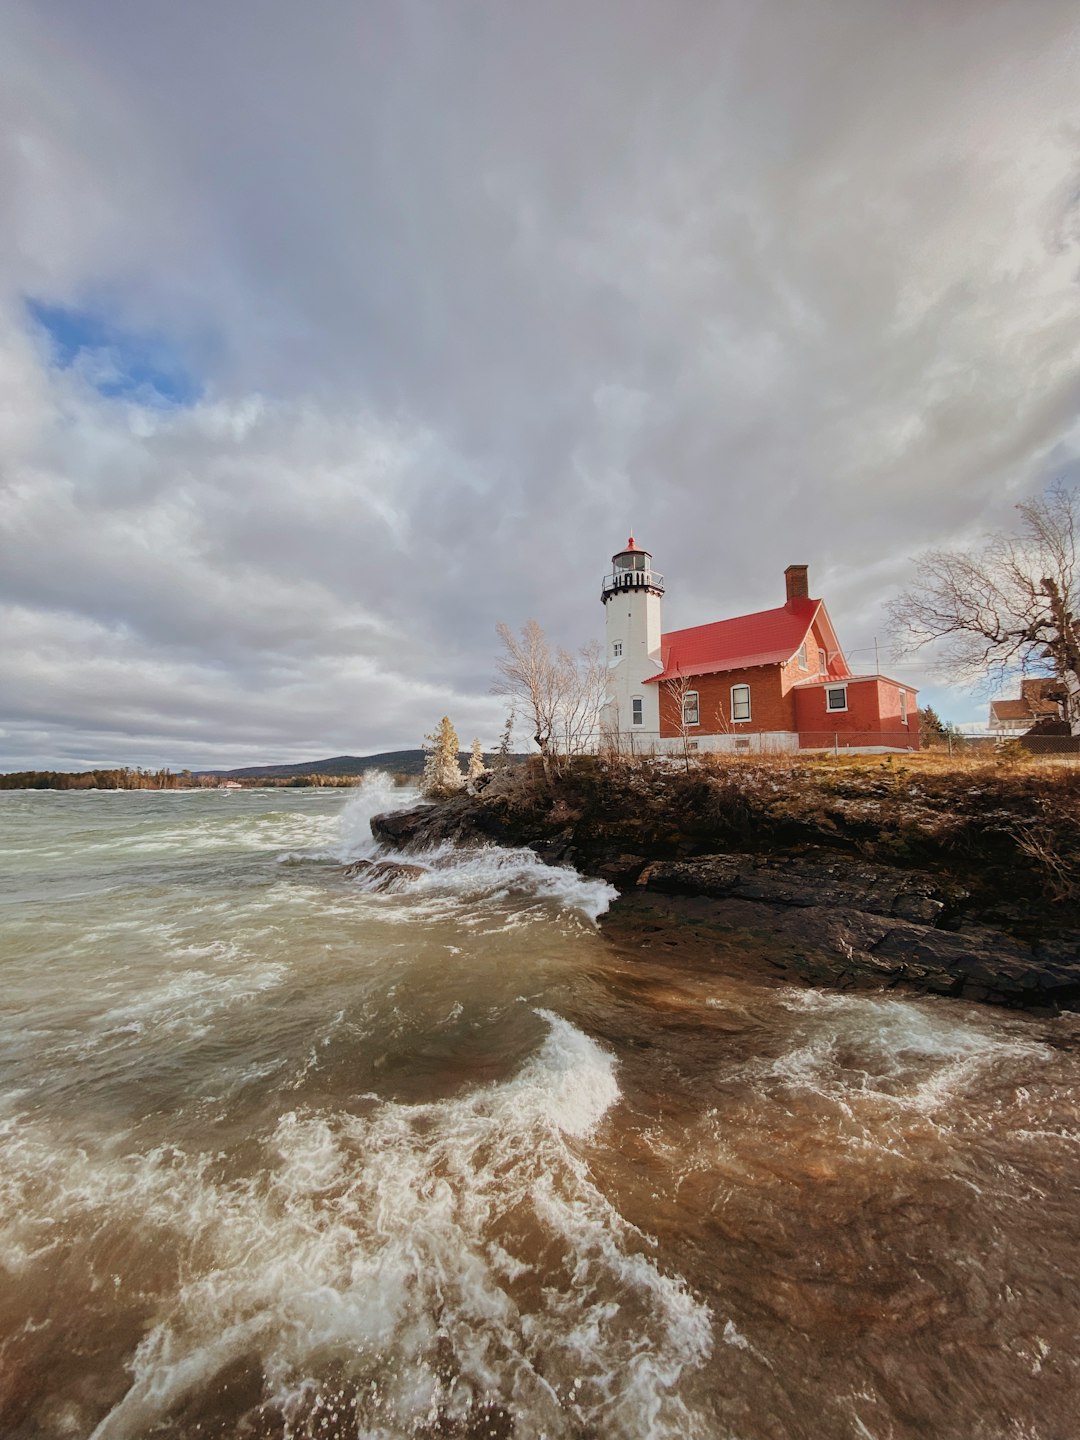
379 1245
490 873
213 831
186 1002
913 1053
483 887
377 794
464 883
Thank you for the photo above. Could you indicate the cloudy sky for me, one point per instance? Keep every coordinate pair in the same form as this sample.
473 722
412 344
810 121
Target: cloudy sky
332 334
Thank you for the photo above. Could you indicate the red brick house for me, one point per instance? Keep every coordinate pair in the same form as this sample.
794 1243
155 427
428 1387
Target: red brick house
774 680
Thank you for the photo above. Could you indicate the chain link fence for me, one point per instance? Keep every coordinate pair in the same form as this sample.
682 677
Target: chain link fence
975 747
873 741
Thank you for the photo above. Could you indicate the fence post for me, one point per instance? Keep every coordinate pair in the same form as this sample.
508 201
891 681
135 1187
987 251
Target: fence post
950 742
836 743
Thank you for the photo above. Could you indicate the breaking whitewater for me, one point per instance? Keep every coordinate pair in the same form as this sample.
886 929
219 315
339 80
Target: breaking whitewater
284 1156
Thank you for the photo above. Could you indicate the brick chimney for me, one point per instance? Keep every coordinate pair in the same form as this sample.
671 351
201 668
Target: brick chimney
797 580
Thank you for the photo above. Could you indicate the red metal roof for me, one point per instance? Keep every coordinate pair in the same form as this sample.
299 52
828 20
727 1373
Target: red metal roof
631 544
768 637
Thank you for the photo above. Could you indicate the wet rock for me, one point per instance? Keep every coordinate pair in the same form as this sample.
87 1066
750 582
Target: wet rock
459 820
621 870
792 871
807 883
383 874
851 949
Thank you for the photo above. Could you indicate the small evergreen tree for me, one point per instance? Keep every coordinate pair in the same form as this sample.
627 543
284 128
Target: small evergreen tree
502 755
476 761
931 729
442 767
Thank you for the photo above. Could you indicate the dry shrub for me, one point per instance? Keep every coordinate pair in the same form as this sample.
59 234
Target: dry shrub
1060 870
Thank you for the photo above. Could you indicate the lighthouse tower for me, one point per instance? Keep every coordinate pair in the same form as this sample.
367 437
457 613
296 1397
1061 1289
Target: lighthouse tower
631 596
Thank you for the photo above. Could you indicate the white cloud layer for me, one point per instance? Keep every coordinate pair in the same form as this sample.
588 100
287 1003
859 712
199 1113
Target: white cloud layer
471 289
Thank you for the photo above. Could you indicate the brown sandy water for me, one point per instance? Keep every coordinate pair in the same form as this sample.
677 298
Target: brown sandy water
282 1157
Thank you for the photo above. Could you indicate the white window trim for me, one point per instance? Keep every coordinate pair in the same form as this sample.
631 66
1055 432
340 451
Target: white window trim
745 719
804 663
835 709
691 695
637 704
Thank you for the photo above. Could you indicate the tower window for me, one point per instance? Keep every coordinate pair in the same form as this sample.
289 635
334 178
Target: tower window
616 648
637 707
740 702
690 708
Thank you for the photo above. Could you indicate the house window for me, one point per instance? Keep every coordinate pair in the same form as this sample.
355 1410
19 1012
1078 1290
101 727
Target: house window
822 662
836 697
616 648
637 707
691 745
740 702
903 707
690 711
803 664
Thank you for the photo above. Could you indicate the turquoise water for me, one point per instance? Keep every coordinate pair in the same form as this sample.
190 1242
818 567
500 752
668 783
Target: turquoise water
282 1156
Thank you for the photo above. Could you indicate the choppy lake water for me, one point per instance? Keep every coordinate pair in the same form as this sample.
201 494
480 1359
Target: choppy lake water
282 1157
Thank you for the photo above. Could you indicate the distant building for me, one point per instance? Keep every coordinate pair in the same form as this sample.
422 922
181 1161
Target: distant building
1040 700
775 680
1072 702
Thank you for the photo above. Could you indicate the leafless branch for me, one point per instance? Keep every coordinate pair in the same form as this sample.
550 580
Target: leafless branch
1007 608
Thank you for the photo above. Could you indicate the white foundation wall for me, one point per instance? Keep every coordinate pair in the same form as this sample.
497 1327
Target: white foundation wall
632 622
774 742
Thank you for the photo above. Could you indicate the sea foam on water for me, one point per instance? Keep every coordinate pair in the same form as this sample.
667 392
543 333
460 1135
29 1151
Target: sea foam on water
465 878
433 1258
283 1156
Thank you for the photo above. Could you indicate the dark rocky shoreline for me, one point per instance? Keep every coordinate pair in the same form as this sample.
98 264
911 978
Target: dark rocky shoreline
807 901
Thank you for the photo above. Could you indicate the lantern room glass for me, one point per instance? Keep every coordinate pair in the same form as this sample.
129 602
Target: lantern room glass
632 560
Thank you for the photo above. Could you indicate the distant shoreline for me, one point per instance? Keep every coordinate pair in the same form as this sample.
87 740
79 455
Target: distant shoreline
340 770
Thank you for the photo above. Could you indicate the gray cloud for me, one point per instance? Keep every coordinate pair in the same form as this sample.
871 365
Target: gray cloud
472 289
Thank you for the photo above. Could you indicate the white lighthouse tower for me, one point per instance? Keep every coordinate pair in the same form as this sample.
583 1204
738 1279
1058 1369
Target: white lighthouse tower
631 596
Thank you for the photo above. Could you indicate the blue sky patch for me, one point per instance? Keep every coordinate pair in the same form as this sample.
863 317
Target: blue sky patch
118 362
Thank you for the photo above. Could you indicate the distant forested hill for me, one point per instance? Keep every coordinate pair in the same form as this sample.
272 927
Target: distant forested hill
397 762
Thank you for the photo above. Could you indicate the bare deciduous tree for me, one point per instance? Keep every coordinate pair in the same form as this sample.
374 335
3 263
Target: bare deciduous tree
559 693
583 681
684 713
1009 607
